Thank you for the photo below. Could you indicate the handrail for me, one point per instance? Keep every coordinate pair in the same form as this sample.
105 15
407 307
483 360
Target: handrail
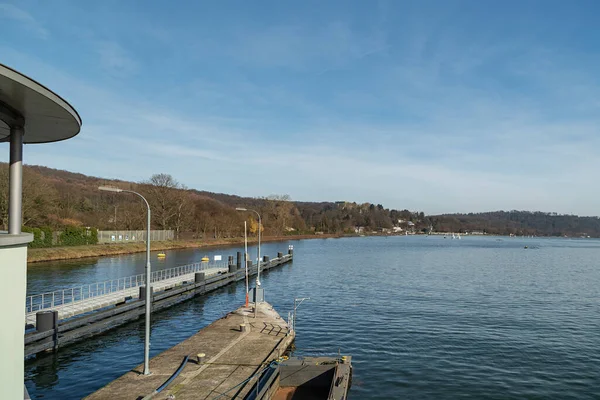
76 294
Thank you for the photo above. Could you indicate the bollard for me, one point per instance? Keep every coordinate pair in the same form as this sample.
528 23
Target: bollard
249 264
232 268
199 277
45 320
243 327
238 263
230 260
200 358
291 252
143 292
266 259
279 254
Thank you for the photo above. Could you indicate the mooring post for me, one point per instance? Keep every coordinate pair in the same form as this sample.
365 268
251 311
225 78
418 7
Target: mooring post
143 292
46 321
239 260
199 277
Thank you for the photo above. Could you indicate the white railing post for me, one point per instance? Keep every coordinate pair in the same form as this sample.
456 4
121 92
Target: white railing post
114 285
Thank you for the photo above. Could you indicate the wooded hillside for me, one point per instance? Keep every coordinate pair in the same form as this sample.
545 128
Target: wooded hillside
57 199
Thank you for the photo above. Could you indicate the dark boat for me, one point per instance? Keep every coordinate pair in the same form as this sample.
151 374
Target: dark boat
300 378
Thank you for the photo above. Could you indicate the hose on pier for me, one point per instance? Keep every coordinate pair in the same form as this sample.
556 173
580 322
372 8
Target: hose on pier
168 381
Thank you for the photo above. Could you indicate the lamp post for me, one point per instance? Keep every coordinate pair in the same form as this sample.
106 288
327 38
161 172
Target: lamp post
246 259
148 276
259 226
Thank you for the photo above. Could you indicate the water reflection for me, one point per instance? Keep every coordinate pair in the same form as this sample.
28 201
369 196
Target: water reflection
422 317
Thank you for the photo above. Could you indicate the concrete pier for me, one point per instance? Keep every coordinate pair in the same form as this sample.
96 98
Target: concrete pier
99 321
233 349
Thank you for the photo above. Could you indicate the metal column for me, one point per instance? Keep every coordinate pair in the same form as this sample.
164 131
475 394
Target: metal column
15 180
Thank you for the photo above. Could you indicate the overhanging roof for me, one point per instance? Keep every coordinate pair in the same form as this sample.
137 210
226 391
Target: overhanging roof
47 116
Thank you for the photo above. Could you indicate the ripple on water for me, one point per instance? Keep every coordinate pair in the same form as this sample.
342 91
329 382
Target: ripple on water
422 317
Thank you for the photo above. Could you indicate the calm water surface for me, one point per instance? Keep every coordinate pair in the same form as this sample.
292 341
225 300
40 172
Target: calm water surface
423 317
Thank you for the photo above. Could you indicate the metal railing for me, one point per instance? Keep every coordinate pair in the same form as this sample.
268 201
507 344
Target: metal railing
77 294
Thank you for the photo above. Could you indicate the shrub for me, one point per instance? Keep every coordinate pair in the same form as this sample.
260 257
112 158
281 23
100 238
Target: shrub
38 240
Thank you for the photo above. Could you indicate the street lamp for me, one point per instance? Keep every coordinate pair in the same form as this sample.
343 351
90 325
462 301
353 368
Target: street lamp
148 276
258 264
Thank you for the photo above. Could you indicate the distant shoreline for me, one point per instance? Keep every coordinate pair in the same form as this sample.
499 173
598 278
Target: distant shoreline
101 250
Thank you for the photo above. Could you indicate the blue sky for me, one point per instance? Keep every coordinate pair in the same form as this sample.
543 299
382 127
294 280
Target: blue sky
435 106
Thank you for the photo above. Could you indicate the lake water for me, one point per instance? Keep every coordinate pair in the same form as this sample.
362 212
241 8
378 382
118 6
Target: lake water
423 317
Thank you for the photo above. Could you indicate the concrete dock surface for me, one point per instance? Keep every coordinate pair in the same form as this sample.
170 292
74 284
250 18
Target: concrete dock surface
232 355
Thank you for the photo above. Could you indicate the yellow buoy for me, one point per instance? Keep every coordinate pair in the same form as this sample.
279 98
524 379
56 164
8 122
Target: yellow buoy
205 259
161 255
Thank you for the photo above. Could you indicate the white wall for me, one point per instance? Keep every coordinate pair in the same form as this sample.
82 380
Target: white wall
13 269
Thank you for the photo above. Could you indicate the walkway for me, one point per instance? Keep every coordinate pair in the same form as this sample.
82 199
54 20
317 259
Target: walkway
86 298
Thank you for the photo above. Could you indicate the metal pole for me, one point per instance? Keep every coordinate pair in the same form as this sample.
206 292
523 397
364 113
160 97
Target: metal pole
257 270
15 200
258 265
296 305
148 296
246 258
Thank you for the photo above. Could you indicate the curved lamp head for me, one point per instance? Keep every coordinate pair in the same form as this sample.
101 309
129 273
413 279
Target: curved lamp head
240 209
110 189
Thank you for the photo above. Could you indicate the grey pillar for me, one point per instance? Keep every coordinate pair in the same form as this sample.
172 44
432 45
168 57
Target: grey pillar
143 293
15 180
238 262
279 254
266 259
45 320
291 252
199 277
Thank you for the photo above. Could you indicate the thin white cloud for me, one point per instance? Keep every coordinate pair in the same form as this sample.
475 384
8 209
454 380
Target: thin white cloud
115 59
432 128
299 48
12 12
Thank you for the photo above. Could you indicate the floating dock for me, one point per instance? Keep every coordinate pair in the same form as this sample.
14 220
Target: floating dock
54 332
103 297
223 360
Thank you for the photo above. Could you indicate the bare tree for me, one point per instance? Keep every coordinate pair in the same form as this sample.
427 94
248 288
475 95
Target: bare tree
278 214
183 210
161 194
39 198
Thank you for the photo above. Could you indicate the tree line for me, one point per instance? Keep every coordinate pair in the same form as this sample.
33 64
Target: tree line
55 199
